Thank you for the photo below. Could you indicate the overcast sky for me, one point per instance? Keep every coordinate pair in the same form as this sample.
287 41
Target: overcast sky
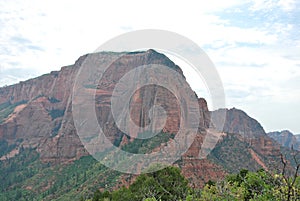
254 44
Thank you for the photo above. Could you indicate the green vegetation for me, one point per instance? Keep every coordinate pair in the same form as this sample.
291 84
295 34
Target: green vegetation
56 129
25 177
143 146
246 185
7 108
233 155
4 105
165 184
169 184
14 171
53 100
5 147
56 113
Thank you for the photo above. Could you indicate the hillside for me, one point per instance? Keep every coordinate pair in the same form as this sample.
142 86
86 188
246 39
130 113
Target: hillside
42 155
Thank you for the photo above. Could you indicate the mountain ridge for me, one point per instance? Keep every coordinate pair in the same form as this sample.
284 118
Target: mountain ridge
38 117
286 139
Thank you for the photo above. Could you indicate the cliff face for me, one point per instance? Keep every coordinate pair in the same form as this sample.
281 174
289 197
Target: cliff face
286 138
298 137
39 121
41 108
238 122
38 113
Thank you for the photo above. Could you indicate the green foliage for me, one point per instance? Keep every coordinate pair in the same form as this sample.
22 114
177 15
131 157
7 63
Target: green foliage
4 105
165 184
15 171
53 100
56 129
233 155
25 177
122 194
7 108
56 113
245 185
169 184
143 146
101 196
5 147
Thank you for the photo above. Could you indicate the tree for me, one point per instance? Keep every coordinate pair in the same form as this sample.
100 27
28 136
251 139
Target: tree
165 184
290 185
258 186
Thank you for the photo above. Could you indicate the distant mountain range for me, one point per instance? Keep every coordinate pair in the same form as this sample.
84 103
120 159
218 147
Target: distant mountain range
286 139
42 157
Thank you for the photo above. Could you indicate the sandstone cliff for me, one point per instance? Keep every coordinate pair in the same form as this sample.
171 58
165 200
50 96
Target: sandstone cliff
41 115
38 113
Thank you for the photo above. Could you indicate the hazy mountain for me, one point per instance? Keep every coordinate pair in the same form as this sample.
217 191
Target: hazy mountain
286 139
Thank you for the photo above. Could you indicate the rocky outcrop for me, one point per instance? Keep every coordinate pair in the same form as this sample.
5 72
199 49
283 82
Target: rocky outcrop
41 118
238 122
286 138
245 139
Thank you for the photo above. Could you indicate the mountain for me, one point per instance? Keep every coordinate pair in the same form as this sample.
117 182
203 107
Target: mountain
238 122
286 139
245 144
42 155
37 113
297 137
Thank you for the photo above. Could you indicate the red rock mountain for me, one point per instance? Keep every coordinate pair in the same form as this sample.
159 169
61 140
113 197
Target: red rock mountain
38 113
238 122
286 138
40 109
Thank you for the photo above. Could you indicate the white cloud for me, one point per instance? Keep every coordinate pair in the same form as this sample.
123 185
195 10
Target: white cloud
269 5
287 5
255 62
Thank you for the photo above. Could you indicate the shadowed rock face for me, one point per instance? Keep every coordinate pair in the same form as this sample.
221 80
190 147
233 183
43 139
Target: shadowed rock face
286 138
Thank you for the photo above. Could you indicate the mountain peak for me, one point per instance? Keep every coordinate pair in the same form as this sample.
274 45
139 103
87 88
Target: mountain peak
286 138
237 121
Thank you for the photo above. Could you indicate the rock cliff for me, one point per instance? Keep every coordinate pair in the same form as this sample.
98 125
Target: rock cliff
286 138
41 108
38 113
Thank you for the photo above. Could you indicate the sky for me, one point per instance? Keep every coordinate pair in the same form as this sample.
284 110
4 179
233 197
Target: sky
254 44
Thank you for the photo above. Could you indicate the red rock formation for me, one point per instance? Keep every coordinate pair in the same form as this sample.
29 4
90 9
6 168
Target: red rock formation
238 122
286 139
45 120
